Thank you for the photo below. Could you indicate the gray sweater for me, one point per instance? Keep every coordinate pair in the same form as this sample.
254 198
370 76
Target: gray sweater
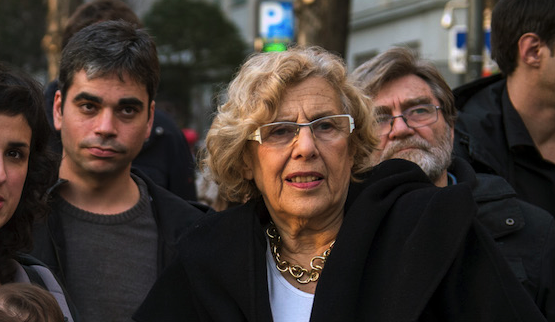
111 259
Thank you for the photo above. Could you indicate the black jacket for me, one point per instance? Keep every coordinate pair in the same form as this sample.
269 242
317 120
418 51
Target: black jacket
406 251
173 216
492 137
524 233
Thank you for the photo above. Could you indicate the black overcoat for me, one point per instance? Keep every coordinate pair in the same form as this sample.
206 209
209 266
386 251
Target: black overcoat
406 251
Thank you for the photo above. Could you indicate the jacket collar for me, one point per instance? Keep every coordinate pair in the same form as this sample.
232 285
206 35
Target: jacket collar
56 186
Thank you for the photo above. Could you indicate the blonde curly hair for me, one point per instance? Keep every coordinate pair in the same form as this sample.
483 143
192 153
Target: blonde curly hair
253 99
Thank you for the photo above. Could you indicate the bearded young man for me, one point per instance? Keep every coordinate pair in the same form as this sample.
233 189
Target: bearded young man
416 115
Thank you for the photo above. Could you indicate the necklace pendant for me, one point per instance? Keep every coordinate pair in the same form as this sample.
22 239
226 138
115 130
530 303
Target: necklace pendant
312 276
297 271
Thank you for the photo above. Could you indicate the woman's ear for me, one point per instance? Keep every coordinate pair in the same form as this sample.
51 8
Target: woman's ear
247 165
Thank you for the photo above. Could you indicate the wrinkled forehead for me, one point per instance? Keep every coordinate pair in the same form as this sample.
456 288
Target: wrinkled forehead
404 105
402 93
309 99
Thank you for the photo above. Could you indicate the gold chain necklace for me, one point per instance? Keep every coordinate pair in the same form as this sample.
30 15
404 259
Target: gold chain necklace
297 271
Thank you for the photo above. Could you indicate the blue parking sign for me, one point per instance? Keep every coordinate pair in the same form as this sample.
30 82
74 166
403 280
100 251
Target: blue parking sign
276 21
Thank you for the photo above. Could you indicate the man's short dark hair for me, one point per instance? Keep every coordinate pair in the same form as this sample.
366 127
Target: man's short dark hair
111 48
513 18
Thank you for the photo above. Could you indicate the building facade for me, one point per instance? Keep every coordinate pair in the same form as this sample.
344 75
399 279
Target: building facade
376 25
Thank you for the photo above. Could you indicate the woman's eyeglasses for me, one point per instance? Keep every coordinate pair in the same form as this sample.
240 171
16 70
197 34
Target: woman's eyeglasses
327 128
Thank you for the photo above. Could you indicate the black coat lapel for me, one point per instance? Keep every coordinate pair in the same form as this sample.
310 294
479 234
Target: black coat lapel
225 260
395 229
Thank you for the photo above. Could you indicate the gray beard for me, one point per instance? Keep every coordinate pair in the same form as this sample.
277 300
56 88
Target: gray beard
433 160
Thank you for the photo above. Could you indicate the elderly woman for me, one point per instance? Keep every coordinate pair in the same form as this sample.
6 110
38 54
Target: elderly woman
26 172
291 138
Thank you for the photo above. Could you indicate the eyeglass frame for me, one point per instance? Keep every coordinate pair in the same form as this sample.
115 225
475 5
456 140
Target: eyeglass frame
256 136
402 116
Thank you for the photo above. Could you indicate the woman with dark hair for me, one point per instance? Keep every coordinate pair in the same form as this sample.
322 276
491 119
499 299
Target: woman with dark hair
27 169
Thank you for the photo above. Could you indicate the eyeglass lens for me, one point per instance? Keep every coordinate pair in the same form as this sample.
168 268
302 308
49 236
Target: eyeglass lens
414 117
325 129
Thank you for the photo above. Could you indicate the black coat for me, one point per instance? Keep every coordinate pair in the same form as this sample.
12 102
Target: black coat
524 233
406 251
173 216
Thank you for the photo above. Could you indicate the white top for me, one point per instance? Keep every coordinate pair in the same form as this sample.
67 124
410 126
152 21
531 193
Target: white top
287 302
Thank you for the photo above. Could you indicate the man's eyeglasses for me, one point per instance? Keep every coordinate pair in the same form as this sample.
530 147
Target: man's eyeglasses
327 128
415 117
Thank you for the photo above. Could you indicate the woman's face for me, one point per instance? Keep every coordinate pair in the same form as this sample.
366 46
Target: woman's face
307 178
15 144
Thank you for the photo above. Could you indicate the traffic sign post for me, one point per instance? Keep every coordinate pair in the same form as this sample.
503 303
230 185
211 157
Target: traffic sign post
458 51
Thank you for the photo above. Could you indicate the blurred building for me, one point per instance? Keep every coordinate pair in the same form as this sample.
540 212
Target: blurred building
376 25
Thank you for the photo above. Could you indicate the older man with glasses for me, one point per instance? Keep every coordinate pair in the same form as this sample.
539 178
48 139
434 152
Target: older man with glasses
415 112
